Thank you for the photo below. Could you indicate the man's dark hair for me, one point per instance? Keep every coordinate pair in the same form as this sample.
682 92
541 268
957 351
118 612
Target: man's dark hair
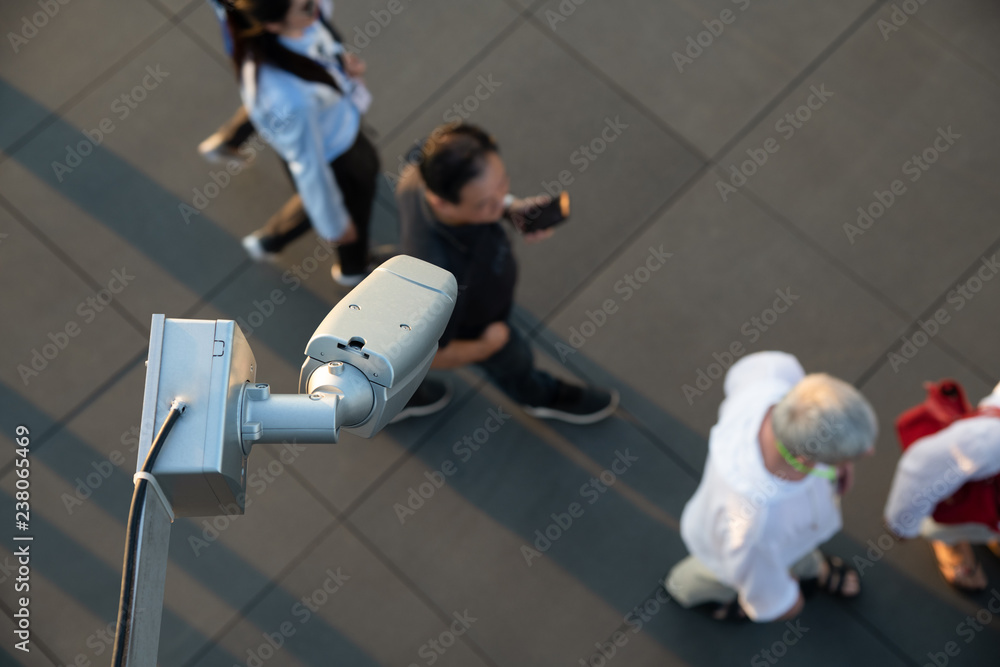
453 156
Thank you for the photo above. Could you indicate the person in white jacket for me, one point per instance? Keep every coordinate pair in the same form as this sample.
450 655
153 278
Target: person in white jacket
929 473
305 95
778 459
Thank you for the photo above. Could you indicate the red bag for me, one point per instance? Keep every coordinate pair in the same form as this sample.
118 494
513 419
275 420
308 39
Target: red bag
974 502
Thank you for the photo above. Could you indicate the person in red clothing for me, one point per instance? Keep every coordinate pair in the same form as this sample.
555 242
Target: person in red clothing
923 499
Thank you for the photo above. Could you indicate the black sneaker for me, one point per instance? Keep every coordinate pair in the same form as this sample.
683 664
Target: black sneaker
578 405
430 397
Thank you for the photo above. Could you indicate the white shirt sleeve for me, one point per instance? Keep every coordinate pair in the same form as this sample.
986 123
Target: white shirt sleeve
759 366
936 466
297 138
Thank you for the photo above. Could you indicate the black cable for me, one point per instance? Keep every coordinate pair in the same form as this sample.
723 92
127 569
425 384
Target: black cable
132 535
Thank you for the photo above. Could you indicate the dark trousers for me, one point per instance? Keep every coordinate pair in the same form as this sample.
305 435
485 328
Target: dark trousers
513 370
356 173
237 129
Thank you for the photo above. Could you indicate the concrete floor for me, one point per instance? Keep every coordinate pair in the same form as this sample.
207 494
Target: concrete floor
834 100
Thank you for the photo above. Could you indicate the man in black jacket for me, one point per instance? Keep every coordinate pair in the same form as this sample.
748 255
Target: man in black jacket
450 208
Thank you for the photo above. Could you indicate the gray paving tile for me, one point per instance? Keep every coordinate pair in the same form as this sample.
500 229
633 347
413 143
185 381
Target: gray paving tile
670 337
731 76
613 193
176 6
402 71
970 315
120 216
65 28
502 487
83 481
849 152
345 605
968 25
201 20
63 336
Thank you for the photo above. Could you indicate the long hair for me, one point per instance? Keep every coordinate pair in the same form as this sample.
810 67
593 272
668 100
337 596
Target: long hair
246 19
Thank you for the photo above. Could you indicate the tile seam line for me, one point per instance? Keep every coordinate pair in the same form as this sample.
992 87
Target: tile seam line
662 124
390 135
34 131
348 512
935 304
343 520
273 583
191 34
418 592
42 646
878 635
782 95
88 400
348 525
960 54
84 403
910 322
709 163
650 220
67 260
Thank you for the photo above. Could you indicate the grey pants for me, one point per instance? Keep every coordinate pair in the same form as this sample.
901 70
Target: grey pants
690 583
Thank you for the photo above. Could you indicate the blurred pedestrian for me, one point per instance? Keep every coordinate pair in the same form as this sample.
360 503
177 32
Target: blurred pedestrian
305 95
947 483
778 459
450 208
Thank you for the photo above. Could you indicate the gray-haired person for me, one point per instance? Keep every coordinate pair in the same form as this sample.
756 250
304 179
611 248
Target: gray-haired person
778 459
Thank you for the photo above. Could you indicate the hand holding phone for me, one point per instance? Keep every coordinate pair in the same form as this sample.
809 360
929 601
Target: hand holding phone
538 217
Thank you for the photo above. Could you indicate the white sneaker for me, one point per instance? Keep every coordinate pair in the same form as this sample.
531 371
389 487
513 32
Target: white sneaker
252 245
215 151
352 280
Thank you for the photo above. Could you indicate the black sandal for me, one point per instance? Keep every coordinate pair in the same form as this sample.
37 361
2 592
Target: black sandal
836 575
728 612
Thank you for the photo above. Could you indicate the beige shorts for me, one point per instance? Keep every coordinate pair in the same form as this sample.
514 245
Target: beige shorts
690 583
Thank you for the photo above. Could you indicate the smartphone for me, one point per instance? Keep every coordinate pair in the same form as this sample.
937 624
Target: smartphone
543 217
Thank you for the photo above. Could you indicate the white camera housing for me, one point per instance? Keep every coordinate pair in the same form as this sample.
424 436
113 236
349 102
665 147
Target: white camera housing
363 364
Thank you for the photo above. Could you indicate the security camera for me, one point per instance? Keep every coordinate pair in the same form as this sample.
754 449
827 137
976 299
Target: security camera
362 365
